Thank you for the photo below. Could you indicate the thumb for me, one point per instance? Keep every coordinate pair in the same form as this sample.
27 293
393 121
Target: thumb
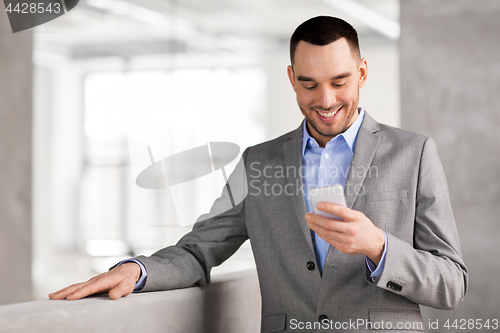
124 288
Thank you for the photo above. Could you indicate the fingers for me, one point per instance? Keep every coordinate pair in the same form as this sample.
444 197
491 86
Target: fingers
101 283
343 212
328 233
120 281
61 294
124 288
97 284
332 231
355 235
317 222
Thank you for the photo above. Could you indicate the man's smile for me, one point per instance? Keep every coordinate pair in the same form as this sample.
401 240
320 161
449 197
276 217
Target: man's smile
328 116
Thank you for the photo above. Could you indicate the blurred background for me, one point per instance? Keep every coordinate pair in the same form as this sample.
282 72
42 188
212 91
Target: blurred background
85 95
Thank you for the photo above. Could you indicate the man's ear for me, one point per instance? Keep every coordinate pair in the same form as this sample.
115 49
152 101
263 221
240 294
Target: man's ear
362 72
291 76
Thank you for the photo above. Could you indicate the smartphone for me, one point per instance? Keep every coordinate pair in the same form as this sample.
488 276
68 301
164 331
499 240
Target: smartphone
332 194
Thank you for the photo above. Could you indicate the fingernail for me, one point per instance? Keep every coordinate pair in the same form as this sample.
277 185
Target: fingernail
321 206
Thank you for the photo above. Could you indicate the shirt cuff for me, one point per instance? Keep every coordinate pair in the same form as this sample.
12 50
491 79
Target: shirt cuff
144 274
374 269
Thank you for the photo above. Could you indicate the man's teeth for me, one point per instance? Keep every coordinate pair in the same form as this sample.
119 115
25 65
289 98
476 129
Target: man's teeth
328 114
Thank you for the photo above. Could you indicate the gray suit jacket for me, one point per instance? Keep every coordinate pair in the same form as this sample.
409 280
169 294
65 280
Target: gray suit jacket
395 179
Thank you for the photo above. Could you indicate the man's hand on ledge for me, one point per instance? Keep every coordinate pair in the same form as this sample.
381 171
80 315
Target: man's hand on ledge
118 282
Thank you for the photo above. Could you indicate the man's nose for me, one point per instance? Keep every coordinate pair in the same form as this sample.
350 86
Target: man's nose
326 98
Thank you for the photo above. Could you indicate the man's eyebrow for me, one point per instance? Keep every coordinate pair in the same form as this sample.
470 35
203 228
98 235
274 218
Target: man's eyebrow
341 76
304 78
336 77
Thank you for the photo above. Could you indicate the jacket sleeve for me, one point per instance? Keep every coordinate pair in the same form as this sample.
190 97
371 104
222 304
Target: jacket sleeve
214 238
431 272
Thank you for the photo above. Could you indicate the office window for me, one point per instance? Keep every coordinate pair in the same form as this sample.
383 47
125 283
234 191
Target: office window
167 112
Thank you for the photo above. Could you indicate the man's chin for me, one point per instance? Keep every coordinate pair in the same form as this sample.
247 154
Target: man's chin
328 132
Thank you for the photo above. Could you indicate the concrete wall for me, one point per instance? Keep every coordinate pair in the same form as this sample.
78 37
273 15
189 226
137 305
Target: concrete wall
450 76
230 304
15 163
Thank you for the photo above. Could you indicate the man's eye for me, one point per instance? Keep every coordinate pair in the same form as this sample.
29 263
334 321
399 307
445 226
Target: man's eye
310 88
338 85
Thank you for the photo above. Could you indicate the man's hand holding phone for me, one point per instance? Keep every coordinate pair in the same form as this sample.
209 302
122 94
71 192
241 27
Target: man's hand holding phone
352 233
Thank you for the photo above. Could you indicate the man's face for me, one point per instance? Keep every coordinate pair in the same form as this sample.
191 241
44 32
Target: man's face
326 80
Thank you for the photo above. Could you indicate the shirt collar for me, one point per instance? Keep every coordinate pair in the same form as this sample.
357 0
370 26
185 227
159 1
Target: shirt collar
349 135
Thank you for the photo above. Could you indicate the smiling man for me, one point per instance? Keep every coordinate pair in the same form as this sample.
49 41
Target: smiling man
394 247
326 79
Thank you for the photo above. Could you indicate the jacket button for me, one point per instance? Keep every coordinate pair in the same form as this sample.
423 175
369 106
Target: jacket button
322 318
310 265
394 286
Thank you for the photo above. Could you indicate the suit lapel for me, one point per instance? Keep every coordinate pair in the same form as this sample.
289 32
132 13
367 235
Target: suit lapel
293 157
366 146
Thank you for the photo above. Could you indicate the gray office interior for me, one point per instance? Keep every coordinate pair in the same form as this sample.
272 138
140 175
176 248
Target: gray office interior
450 78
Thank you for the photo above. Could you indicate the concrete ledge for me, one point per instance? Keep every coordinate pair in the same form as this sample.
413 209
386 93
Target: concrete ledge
230 304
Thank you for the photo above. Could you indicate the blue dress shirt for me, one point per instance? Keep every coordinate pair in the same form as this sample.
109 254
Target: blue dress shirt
329 166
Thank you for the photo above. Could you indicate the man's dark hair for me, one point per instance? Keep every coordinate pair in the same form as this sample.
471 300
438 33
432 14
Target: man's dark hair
324 30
